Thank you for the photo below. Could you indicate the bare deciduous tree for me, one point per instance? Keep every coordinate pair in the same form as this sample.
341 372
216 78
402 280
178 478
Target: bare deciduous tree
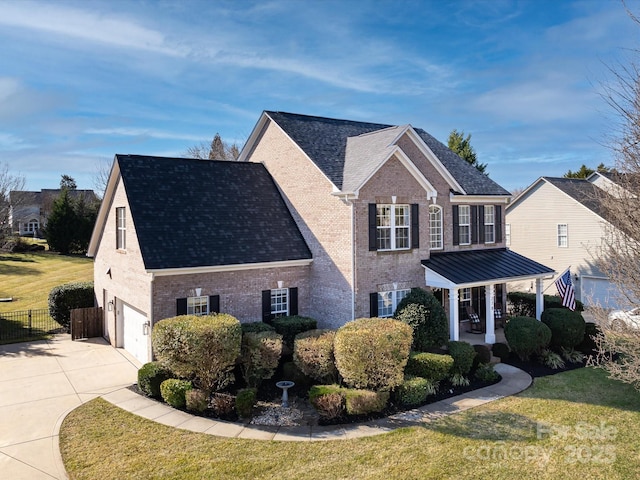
8 183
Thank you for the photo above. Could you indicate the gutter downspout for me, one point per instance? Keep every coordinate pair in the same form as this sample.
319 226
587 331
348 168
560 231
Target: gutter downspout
150 317
353 263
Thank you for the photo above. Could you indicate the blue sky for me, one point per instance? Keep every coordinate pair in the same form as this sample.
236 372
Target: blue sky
82 81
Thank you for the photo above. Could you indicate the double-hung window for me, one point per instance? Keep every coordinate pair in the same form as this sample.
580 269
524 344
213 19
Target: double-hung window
435 227
563 235
280 302
489 224
388 301
197 305
392 222
507 233
121 228
464 222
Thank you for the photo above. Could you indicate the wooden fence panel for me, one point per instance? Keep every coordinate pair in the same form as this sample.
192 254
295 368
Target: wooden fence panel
86 322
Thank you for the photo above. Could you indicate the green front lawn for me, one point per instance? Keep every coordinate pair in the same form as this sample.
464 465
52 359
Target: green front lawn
589 428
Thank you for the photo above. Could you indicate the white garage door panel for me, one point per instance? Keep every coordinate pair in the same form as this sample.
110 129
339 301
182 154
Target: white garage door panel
599 291
135 341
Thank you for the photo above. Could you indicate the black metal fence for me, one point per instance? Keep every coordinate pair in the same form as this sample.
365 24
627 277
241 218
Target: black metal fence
27 325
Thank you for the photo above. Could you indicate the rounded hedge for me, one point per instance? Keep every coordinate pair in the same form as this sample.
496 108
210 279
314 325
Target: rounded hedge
483 355
150 376
414 390
260 355
371 353
64 298
567 327
432 366
526 336
463 354
313 354
174 392
425 314
501 350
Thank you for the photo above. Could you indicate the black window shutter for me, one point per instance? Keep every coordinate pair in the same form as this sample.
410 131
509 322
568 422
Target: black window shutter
498 223
373 230
373 304
474 224
181 306
415 226
293 301
266 306
214 304
481 224
456 226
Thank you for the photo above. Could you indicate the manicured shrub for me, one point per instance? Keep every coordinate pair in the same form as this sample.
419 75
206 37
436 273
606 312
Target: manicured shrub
291 326
318 391
330 406
567 327
174 391
196 400
222 404
362 402
260 354
588 345
523 304
424 313
463 355
526 336
204 348
256 327
372 353
483 355
414 390
313 355
150 376
486 373
501 350
432 366
64 298
245 400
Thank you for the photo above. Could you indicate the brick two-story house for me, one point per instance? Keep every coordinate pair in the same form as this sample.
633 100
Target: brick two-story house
347 217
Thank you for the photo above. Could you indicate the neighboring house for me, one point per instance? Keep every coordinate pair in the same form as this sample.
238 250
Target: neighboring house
28 211
327 218
560 222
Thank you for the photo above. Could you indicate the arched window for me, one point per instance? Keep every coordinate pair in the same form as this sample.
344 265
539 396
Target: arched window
435 227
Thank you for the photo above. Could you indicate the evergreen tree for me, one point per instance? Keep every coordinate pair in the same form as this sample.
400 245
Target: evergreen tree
462 146
61 224
68 182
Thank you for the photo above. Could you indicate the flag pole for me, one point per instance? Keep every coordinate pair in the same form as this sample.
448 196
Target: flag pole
557 276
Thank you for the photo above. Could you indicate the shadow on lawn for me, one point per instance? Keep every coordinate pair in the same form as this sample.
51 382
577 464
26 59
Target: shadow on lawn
487 425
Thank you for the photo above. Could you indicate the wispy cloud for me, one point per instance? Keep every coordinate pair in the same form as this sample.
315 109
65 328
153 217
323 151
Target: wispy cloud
143 132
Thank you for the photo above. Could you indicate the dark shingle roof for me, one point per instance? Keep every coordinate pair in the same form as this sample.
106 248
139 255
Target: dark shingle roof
324 140
582 191
484 265
197 213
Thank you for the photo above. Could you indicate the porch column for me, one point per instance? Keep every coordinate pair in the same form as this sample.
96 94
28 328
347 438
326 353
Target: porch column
454 325
539 299
490 296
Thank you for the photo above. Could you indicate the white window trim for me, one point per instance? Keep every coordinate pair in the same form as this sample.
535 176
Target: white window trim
561 236
195 303
393 227
121 230
280 292
491 208
438 236
465 295
460 224
396 296
507 233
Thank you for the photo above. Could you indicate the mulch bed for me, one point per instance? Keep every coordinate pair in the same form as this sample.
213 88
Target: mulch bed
537 369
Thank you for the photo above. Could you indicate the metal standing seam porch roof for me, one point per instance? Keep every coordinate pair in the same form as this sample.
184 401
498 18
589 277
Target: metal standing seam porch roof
480 267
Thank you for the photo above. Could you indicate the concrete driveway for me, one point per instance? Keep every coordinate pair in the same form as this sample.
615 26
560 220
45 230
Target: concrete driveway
40 383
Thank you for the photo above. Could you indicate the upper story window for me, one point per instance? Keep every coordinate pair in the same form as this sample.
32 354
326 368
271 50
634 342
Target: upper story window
393 227
121 228
435 227
563 235
197 305
507 233
387 302
489 224
464 222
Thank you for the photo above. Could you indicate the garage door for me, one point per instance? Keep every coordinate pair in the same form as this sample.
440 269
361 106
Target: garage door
135 340
599 291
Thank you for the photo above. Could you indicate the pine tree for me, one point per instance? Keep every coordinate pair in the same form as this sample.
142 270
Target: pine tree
462 146
61 224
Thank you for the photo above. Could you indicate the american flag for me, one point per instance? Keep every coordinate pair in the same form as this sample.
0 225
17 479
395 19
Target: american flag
566 290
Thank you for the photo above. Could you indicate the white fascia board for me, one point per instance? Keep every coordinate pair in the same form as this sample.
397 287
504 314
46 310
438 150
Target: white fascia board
433 279
228 268
105 206
524 193
427 152
478 199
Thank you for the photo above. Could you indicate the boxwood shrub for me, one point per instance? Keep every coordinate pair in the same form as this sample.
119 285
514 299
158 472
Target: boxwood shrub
362 402
64 298
424 313
526 336
567 327
483 355
245 400
501 350
203 348
523 304
196 400
150 376
328 400
432 366
414 391
174 391
313 354
259 357
463 355
291 326
371 353
256 327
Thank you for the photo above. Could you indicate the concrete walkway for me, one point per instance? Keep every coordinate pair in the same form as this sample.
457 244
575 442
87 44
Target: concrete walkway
42 382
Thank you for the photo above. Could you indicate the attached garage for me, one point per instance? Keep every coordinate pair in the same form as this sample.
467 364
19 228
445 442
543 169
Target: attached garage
135 333
599 291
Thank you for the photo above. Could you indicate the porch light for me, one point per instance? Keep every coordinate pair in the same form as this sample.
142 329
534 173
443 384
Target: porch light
110 306
280 283
198 292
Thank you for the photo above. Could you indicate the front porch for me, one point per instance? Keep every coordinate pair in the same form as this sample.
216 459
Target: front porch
477 275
